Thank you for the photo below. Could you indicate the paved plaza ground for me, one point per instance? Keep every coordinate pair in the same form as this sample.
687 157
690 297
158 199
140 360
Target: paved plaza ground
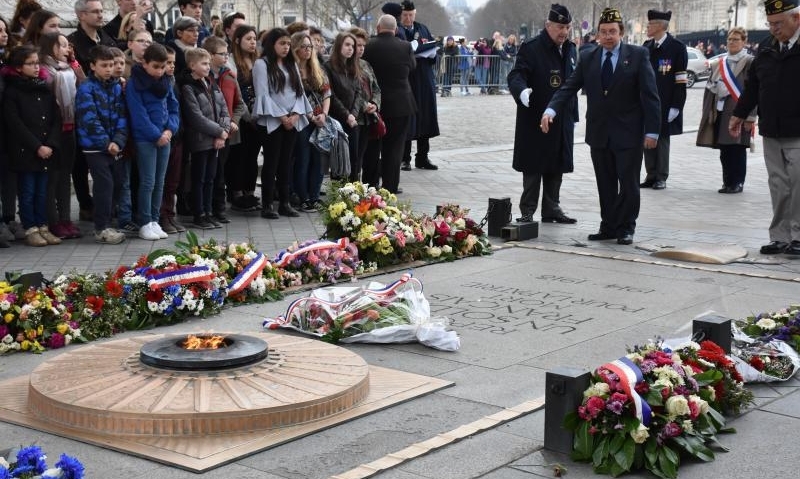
557 300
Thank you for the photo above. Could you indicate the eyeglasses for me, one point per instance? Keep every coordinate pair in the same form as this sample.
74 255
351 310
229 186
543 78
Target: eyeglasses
223 54
305 47
142 41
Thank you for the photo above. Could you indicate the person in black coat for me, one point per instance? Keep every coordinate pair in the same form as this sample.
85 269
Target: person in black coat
543 64
622 118
392 61
669 60
772 87
425 124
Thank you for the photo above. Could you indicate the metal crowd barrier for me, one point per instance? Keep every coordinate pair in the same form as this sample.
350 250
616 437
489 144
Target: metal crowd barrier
471 74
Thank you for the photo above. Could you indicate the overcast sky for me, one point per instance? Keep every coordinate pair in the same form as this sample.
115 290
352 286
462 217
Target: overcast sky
476 3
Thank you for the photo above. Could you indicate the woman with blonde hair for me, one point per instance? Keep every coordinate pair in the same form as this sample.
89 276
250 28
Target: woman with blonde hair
129 24
307 178
344 73
728 79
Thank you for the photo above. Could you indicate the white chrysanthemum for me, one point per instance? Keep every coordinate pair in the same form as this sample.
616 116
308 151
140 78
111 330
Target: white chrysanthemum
61 281
152 306
4 305
767 324
163 261
250 255
7 339
597 389
687 425
447 249
67 339
688 345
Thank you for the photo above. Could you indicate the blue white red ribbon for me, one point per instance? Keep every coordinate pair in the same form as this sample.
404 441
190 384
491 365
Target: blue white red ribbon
286 257
630 374
729 79
248 274
192 274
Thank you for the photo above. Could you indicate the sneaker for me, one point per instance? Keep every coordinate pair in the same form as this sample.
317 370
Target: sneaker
5 233
109 236
318 205
130 229
213 221
17 230
200 222
33 238
157 229
51 239
167 227
60 230
146 233
177 225
74 231
221 218
308 207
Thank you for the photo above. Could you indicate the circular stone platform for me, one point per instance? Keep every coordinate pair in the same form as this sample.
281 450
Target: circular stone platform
105 389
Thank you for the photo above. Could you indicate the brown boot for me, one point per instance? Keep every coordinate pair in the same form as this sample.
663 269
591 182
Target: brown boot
33 238
49 237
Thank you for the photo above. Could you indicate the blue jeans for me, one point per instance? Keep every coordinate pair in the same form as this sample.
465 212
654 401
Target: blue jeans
122 191
32 190
307 166
464 80
480 77
152 161
204 171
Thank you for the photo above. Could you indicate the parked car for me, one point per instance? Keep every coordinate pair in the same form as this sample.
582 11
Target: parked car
698 68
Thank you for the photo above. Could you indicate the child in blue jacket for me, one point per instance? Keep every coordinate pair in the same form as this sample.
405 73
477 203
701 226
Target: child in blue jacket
155 117
102 130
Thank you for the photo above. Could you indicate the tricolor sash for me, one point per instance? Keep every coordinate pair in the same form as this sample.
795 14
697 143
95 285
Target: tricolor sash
192 274
630 374
248 274
729 79
286 257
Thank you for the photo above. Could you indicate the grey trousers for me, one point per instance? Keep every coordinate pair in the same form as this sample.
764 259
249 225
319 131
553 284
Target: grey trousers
551 188
656 160
782 157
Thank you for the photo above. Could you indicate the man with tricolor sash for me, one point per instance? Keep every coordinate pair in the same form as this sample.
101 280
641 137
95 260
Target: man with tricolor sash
668 58
772 87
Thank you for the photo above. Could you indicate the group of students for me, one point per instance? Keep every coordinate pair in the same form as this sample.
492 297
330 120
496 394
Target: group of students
157 124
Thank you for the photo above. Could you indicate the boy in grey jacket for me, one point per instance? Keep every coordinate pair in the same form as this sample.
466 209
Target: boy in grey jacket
207 124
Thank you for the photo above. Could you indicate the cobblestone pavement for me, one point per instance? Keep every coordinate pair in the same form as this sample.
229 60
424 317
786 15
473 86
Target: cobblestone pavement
474 158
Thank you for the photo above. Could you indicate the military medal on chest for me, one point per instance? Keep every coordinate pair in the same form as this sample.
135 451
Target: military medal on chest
555 78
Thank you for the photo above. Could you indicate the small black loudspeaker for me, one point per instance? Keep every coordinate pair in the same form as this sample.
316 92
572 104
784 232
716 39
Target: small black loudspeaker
499 215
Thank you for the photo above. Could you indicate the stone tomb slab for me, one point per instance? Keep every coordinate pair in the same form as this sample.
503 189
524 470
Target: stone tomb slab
101 394
516 312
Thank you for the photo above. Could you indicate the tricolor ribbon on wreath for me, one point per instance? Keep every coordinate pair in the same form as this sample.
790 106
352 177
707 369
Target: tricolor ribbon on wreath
248 274
286 257
192 274
630 374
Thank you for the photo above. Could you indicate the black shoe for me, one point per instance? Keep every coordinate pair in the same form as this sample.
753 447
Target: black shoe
625 239
525 219
659 185
399 191
220 217
214 222
600 236
737 188
269 213
724 189
200 222
647 184
793 249
775 247
285 209
405 166
561 218
425 165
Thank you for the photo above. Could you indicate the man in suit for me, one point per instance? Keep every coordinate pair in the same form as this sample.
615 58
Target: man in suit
772 87
543 64
392 60
668 58
622 118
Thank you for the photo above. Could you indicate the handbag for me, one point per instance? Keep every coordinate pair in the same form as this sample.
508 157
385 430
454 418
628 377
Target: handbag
377 129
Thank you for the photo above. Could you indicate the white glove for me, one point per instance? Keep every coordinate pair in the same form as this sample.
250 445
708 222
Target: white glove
673 113
525 97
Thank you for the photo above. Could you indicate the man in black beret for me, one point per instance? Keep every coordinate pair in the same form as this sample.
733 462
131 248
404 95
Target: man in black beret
772 87
543 64
622 118
669 60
